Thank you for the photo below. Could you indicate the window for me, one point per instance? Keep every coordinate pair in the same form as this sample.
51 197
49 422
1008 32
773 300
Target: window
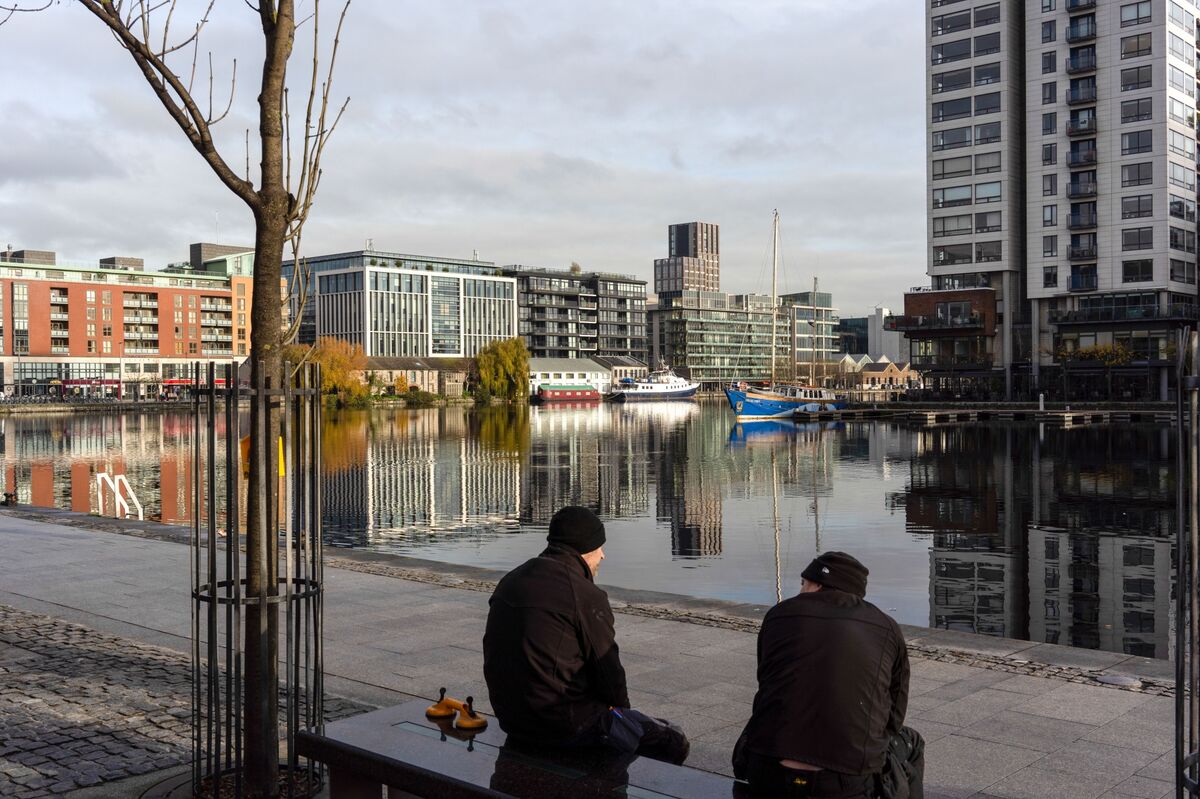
1182 176
91 313
987 192
1180 112
1137 141
1049 215
951 167
1137 174
1137 238
987 103
106 297
951 23
91 330
1049 154
1136 78
1140 271
987 15
987 251
1049 93
1049 277
987 133
1047 5
1135 46
1181 239
952 109
951 81
987 44
946 52
1183 272
1049 185
1182 144
952 254
1180 80
1135 13
1049 246
1182 208
1049 123
951 225
1137 110
1181 49
986 74
91 295
987 222
951 138
1180 17
1137 206
106 346
1049 62
987 162
950 197
1048 31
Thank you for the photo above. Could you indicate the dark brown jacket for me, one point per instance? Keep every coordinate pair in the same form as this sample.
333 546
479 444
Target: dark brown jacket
832 683
550 656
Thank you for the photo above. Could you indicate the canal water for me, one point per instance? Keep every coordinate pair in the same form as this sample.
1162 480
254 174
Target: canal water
1018 530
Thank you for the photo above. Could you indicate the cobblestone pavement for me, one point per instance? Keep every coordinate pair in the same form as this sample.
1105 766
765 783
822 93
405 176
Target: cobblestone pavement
81 707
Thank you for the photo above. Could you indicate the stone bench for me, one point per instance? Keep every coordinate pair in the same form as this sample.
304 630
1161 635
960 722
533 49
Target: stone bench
399 748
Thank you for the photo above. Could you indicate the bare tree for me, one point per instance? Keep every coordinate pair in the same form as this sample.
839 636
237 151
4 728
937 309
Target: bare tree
280 202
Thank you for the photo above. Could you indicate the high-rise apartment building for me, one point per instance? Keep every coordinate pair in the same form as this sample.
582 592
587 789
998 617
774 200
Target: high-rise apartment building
693 261
565 314
1062 195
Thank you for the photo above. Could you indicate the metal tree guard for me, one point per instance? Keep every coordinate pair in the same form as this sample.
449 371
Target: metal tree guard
1187 567
218 577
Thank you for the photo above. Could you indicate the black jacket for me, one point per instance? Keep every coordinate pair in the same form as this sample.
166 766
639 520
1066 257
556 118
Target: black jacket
550 656
832 683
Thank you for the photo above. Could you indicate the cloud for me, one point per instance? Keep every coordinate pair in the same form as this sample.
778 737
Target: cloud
534 131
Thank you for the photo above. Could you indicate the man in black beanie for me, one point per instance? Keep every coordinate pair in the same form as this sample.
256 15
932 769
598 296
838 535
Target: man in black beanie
828 717
550 655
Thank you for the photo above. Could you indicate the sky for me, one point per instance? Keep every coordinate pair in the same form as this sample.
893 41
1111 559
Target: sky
531 132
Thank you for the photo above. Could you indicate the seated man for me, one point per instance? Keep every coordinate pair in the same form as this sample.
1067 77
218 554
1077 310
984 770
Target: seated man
550 656
828 717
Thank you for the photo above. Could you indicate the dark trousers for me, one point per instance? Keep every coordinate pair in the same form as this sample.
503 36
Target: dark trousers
903 775
631 732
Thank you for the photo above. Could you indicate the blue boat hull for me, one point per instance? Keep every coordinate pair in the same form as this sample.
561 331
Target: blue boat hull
653 396
761 407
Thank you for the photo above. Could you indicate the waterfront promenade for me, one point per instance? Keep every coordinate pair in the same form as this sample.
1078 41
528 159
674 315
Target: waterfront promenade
93 643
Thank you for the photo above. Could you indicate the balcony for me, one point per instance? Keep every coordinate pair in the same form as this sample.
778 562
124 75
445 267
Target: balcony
1081 94
1081 30
59 350
58 299
1082 283
1081 158
1080 5
926 362
1083 189
1081 221
1082 253
917 323
1142 313
1082 127
1081 63
59 316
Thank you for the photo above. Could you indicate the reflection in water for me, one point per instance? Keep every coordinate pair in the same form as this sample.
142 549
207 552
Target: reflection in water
1058 535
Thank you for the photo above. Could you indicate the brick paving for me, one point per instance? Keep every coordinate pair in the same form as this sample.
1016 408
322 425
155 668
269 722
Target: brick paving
81 707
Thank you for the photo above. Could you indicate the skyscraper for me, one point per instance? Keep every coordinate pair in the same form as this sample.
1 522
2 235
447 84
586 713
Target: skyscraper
1062 195
693 262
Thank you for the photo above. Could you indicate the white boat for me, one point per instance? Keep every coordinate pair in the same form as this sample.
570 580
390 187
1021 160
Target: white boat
661 384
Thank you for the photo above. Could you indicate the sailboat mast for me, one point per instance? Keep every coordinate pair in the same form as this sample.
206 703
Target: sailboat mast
812 367
774 273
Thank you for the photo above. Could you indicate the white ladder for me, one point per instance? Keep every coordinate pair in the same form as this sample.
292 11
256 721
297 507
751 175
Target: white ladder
121 506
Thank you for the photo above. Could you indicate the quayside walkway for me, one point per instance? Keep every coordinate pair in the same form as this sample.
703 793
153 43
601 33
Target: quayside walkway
94 617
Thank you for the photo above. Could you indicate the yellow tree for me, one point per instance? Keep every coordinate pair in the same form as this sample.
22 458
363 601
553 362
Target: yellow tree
502 369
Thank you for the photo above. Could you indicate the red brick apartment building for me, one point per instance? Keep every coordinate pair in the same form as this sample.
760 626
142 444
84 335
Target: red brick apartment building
113 329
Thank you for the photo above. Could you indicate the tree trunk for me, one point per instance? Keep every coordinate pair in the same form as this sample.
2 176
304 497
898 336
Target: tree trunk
266 353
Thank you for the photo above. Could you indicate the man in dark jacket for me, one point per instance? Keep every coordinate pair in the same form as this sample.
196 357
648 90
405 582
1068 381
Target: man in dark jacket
550 654
832 693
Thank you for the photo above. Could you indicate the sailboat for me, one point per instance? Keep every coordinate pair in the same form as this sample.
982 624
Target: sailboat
779 400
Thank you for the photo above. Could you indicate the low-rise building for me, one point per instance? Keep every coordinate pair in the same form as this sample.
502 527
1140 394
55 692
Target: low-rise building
568 371
953 338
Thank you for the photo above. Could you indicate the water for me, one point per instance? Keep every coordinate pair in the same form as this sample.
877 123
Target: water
1015 530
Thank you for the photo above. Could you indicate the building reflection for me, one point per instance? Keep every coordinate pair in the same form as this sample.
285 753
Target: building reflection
1047 534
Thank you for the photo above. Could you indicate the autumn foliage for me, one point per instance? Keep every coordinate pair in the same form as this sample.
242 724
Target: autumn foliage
502 370
342 365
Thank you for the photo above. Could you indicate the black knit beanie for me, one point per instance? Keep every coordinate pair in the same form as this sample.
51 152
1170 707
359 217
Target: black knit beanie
838 571
578 528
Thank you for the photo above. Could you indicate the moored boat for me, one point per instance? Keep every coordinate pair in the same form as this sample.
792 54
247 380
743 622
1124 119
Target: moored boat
780 401
547 393
661 384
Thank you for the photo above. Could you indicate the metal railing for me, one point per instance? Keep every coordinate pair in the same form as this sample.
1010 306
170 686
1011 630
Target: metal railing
1081 157
1081 63
1077 221
1081 30
1083 94
1083 283
1130 314
975 319
1081 189
1078 127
